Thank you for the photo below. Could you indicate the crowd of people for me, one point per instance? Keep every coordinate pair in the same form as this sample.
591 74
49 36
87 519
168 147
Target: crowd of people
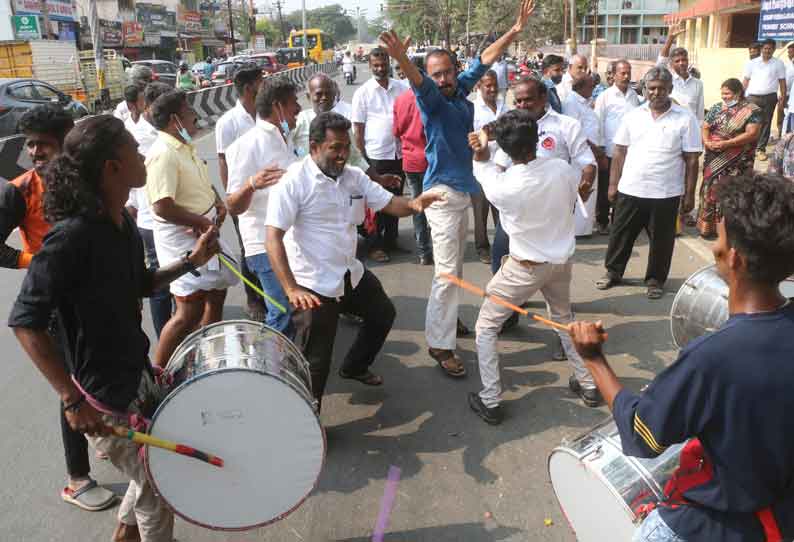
121 207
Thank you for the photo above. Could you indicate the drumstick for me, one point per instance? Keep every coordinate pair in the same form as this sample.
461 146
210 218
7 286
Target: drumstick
143 438
258 290
498 300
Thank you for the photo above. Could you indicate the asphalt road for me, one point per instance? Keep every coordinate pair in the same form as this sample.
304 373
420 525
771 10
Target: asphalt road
461 480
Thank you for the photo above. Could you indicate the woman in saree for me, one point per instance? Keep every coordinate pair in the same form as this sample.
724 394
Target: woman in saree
730 132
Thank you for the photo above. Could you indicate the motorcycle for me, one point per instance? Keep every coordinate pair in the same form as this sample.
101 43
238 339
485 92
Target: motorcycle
350 76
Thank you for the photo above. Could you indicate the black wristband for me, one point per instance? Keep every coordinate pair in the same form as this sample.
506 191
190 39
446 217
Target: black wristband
75 405
188 266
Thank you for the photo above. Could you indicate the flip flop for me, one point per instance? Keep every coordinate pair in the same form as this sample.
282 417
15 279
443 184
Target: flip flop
443 357
606 282
91 497
368 378
654 292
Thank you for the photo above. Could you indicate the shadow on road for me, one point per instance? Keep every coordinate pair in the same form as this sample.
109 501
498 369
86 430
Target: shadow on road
456 533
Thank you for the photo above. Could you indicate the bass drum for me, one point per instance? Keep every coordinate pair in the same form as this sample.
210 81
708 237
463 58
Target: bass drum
701 305
241 391
599 488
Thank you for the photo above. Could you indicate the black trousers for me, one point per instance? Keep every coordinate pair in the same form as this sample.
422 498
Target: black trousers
767 103
480 206
251 296
315 329
602 198
385 237
657 217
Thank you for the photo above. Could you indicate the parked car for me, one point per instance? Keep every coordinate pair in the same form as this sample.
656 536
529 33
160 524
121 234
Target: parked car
163 70
268 62
19 95
224 72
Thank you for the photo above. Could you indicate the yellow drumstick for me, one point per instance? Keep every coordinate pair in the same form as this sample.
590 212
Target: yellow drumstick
143 438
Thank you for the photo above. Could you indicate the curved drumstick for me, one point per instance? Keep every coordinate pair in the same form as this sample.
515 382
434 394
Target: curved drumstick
143 438
498 300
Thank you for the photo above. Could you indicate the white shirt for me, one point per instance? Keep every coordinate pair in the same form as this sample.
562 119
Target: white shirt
565 87
253 151
500 67
320 215
764 76
543 230
145 134
347 65
300 135
654 166
373 106
483 114
610 106
232 124
789 81
122 111
577 107
559 136
686 92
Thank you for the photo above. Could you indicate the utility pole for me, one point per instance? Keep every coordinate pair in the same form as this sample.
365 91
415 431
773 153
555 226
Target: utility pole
99 59
573 27
281 23
231 26
252 23
45 15
303 26
594 43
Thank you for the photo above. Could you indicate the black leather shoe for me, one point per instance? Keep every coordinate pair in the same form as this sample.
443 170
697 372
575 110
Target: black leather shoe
589 396
492 416
425 260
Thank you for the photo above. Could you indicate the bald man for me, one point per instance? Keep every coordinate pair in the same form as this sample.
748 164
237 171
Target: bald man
577 68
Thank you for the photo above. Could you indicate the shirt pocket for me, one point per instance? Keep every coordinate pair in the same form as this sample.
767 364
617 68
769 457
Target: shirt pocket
669 139
357 209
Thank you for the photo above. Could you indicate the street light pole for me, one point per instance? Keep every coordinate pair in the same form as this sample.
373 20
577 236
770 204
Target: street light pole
303 25
231 26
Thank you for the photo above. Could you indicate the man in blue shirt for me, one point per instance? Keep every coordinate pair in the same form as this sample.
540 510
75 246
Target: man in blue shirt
448 117
729 391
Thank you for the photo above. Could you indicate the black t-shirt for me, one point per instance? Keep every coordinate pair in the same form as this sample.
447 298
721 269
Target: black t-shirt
91 272
734 390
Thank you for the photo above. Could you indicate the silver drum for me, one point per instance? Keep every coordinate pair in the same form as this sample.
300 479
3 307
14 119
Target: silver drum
599 488
242 391
701 305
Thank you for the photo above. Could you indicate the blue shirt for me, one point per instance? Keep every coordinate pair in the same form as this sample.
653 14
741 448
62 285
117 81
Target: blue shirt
733 390
447 123
554 98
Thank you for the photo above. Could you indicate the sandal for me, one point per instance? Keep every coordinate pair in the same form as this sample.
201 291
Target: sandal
606 282
456 369
654 291
91 497
462 330
367 378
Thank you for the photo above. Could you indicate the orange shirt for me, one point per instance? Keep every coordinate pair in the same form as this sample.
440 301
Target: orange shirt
33 227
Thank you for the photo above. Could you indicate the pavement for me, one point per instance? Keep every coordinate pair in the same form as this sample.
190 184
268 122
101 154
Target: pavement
461 480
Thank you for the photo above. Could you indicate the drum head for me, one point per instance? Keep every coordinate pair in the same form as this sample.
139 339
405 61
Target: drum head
593 511
268 436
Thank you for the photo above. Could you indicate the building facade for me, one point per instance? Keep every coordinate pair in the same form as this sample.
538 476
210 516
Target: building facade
628 21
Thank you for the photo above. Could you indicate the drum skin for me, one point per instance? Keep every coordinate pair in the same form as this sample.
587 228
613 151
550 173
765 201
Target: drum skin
599 488
241 392
701 305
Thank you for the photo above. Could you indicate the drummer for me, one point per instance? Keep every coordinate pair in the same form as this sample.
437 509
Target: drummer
731 389
321 200
90 272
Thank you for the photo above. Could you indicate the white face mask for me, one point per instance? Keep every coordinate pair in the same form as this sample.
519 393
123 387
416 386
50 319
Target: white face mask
283 124
730 103
183 133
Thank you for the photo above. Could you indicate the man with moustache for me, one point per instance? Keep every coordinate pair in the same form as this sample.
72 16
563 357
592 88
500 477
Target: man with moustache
687 90
552 76
654 167
610 107
765 86
320 200
373 117
577 68
448 118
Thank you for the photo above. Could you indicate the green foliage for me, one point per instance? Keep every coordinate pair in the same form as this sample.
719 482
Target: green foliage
331 19
269 29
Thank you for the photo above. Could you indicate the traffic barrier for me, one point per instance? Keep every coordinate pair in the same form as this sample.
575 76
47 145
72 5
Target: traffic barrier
209 103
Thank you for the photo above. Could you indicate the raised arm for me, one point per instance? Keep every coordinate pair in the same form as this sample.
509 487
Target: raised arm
673 31
398 50
495 50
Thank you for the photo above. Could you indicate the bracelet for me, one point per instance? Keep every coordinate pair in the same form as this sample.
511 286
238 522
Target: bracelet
251 182
188 266
75 405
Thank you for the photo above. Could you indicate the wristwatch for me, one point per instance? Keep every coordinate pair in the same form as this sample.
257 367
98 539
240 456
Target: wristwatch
187 265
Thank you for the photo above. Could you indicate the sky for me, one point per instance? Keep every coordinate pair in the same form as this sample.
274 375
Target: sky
372 6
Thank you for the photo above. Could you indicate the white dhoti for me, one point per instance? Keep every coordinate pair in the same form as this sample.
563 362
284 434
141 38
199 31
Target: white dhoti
172 242
584 217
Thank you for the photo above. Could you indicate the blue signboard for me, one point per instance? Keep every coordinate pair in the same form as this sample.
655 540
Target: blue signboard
777 20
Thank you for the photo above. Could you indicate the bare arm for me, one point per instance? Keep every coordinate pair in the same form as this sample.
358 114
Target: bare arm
401 206
674 30
299 297
745 82
750 135
224 170
586 182
495 50
238 202
358 132
588 339
618 159
205 248
397 49
691 178
174 214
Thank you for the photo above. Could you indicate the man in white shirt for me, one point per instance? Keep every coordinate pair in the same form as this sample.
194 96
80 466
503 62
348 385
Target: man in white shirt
140 76
488 107
577 68
577 106
540 253
786 126
233 124
160 302
500 71
256 160
610 107
655 165
765 86
348 66
319 201
687 90
373 118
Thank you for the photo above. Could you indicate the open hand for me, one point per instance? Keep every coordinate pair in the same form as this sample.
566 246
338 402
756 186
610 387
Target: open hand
526 9
396 47
267 177
675 30
302 299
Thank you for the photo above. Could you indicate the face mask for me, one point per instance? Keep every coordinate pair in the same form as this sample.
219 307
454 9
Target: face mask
183 133
284 125
731 103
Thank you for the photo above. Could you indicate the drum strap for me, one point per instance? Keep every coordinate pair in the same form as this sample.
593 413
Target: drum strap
695 469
